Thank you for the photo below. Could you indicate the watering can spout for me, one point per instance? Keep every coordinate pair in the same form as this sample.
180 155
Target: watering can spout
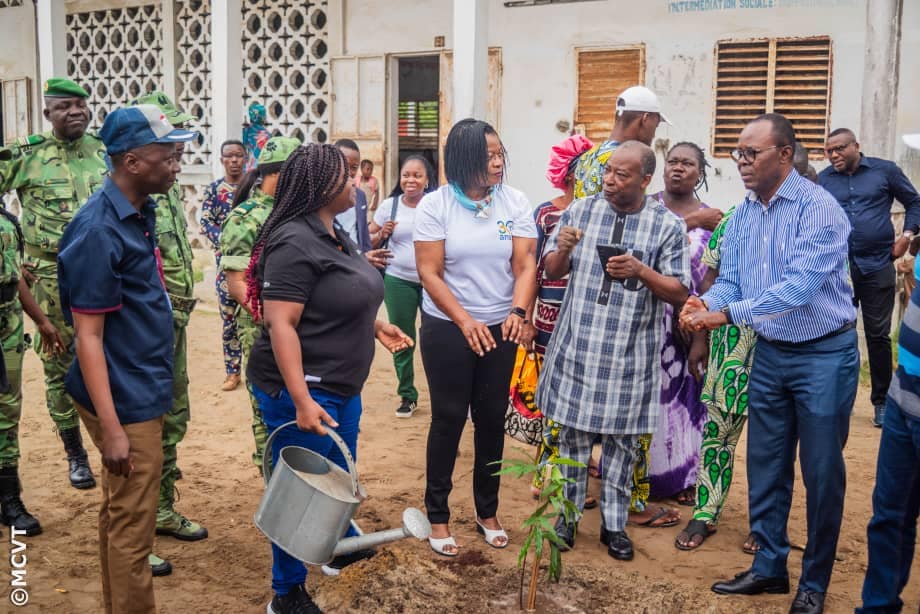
415 524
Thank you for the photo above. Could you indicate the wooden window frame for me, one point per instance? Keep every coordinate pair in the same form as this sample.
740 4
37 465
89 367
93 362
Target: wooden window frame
814 153
640 47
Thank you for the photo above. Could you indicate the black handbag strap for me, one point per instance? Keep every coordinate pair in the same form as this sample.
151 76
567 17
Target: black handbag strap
393 210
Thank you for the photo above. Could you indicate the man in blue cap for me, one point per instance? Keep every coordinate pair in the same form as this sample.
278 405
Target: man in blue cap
112 290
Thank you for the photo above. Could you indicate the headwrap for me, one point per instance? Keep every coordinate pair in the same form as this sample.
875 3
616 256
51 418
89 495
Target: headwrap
255 135
563 157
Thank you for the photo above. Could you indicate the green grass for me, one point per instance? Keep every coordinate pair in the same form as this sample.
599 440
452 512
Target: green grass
198 276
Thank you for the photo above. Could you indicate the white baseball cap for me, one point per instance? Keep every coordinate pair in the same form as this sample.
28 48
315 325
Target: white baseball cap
641 99
912 140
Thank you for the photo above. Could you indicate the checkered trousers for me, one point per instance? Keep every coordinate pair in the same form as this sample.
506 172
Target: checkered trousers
601 373
617 457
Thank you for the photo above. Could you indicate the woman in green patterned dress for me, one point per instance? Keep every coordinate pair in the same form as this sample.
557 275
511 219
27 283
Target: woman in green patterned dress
725 393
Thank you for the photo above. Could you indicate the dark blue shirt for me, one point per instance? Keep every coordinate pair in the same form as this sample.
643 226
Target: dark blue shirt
866 197
108 263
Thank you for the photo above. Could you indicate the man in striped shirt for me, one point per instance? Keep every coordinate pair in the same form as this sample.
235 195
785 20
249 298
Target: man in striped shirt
784 274
896 501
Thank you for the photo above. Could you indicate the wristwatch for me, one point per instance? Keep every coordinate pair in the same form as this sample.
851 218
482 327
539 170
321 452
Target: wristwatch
728 314
519 312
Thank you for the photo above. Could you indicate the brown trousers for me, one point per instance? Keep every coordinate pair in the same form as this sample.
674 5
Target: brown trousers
127 517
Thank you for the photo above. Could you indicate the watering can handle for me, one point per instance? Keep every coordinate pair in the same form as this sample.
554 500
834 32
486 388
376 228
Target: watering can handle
267 456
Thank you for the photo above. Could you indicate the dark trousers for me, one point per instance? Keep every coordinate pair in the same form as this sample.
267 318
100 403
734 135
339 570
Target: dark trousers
895 508
874 294
800 395
459 381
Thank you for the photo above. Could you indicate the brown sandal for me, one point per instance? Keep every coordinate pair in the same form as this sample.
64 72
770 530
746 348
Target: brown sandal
750 545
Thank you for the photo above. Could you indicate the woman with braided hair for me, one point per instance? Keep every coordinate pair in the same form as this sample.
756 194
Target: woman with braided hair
675 447
318 297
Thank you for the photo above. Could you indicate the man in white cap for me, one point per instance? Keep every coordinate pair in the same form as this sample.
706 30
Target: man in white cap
638 115
896 500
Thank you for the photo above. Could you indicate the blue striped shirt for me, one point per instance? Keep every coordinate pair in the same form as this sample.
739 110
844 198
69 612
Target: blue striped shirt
905 385
784 265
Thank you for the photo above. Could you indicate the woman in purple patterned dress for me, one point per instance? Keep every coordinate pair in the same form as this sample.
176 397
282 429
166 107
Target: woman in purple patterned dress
675 446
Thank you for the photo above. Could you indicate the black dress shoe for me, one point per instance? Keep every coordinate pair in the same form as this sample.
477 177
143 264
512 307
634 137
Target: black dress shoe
566 532
749 583
619 546
807 602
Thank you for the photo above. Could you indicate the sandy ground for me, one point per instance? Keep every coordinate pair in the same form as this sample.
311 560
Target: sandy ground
230 571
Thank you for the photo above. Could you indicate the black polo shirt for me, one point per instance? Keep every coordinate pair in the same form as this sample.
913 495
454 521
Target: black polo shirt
341 293
109 263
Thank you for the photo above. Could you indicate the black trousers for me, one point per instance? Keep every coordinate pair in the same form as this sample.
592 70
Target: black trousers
459 381
874 294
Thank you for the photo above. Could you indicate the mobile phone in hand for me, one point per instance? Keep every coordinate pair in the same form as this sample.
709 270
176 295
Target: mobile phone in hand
606 252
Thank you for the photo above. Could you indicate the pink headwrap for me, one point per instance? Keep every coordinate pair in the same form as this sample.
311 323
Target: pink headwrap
561 157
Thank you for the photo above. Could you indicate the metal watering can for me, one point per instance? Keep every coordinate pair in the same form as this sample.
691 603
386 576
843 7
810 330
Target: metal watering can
309 503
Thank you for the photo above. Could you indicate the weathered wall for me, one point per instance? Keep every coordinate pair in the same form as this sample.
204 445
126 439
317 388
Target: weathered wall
538 51
17 50
908 116
538 46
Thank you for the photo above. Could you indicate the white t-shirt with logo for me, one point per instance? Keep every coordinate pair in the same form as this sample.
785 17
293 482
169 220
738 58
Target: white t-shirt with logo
477 251
402 265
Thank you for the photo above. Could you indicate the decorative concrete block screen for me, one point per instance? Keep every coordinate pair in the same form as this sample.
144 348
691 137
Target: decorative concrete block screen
286 65
116 54
193 67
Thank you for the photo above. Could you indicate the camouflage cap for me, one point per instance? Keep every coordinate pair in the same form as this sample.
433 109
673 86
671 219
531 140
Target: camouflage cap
166 106
278 149
63 88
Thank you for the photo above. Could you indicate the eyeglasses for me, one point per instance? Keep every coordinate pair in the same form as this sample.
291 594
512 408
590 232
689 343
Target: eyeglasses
749 154
839 149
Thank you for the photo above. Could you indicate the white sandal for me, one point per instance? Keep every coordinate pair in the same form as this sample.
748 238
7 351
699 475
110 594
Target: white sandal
492 534
438 544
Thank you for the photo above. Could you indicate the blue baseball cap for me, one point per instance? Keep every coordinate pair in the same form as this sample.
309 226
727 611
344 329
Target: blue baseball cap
128 128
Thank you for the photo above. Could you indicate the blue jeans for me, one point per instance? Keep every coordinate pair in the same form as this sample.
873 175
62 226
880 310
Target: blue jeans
895 505
288 572
800 395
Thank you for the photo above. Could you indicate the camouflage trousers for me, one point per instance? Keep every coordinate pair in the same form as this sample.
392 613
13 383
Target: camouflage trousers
230 333
60 405
249 331
11 337
175 422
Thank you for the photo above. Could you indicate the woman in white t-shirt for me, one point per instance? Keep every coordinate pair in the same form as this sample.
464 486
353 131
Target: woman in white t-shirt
475 243
392 228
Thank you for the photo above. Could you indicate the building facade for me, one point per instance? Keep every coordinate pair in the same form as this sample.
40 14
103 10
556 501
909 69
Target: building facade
394 75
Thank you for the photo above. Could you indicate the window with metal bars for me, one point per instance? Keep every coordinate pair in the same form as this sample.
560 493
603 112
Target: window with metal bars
791 76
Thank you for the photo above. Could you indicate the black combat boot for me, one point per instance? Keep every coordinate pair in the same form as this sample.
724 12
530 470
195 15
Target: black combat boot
12 510
81 476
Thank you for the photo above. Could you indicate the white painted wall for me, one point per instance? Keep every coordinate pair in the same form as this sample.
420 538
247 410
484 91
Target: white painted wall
539 77
17 50
538 51
908 118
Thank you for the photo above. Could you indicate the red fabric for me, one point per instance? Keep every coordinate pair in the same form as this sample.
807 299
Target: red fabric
561 156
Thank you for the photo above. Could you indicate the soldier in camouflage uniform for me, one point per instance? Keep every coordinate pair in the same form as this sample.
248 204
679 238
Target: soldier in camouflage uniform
53 174
176 254
237 239
14 297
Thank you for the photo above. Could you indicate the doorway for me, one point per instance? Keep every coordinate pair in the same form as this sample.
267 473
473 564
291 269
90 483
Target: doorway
418 109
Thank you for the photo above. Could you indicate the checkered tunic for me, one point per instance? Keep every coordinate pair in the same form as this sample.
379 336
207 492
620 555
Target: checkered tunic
601 371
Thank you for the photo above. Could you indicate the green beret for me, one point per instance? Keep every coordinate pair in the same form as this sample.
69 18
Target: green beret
278 149
166 106
63 88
